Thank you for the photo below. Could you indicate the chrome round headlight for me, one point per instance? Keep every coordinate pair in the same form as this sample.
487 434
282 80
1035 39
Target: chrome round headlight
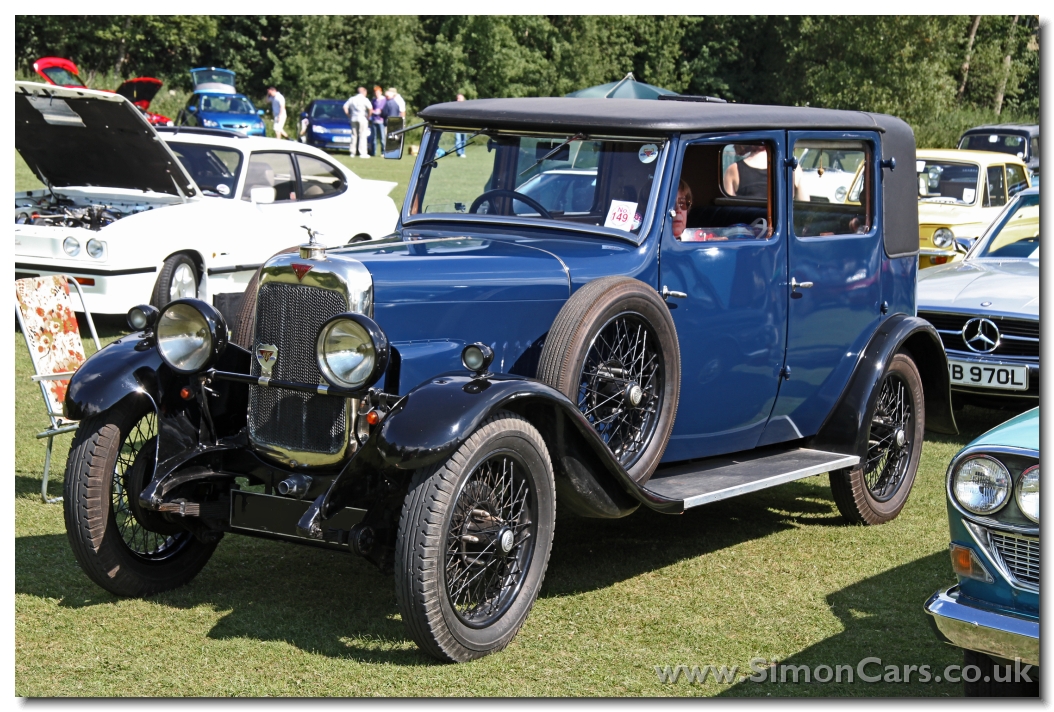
477 357
191 335
1027 493
142 317
839 194
943 237
95 248
352 351
71 246
981 484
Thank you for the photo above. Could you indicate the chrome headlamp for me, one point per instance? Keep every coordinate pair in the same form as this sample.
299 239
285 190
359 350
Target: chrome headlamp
142 317
191 335
981 484
943 237
352 351
1027 493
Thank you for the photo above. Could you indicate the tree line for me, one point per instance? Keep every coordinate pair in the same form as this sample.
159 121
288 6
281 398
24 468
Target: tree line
936 72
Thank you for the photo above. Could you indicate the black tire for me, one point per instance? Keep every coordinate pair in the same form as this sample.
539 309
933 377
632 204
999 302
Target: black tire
1011 688
582 365
875 491
109 541
174 280
454 514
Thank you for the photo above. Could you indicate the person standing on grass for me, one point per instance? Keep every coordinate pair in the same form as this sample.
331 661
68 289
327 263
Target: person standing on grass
393 95
278 111
377 121
459 138
358 108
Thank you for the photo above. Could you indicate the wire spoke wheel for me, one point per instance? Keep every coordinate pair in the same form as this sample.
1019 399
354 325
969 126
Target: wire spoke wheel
622 383
489 539
891 439
140 541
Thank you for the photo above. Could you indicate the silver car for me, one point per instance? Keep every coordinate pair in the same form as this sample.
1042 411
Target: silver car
986 309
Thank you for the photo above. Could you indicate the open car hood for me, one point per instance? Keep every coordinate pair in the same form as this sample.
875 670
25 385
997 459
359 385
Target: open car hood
140 91
215 79
80 137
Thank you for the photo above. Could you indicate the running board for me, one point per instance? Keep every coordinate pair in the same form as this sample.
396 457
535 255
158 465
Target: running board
701 482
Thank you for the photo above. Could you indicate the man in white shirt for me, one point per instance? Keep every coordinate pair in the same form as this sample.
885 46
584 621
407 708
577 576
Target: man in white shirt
359 108
393 95
278 110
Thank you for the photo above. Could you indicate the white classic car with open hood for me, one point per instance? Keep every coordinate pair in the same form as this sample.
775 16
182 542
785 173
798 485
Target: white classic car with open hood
229 202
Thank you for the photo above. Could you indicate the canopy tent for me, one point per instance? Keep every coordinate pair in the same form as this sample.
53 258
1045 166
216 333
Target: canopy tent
625 88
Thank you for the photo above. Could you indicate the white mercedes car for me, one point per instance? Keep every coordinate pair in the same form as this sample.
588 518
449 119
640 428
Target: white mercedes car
229 201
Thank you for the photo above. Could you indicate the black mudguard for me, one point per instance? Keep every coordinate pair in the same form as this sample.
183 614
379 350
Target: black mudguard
128 366
846 428
434 419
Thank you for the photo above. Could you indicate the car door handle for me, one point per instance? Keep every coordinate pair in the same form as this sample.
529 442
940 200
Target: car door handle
667 293
795 284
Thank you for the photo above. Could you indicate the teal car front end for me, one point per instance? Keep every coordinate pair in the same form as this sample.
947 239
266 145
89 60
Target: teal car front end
993 512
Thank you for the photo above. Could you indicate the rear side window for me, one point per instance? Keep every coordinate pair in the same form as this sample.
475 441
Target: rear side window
318 179
1016 179
995 190
271 170
832 191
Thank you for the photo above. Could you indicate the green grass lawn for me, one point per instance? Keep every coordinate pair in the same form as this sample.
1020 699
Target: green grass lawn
774 574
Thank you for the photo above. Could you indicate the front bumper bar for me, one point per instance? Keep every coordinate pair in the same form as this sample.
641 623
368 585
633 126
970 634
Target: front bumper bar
999 634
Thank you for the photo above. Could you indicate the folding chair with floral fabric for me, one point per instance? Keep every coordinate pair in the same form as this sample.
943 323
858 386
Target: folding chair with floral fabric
49 325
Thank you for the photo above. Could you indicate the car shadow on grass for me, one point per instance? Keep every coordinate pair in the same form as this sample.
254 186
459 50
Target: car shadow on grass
882 618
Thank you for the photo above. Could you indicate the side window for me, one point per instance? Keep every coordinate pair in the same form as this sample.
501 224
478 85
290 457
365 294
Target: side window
725 193
832 188
1016 179
271 170
995 196
318 179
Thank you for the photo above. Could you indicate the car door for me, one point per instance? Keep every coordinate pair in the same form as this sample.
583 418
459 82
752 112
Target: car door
834 262
724 277
323 190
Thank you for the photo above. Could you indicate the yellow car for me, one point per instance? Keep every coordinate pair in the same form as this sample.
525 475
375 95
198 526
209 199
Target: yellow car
960 194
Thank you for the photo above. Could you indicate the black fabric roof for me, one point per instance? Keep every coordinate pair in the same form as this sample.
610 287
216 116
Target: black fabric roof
628 116
1030 129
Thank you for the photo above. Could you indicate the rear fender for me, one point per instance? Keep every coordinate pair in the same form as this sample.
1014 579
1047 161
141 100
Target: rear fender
846 428
434 419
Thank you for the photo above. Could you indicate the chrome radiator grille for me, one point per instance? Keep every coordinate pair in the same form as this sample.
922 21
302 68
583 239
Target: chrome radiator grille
289 316
1020 554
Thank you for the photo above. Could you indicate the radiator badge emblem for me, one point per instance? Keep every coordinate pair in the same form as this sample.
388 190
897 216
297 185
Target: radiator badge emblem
300 271
266 354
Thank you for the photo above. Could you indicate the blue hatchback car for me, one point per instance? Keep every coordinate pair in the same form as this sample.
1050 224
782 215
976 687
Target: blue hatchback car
993 512
222 110
324 124
648 328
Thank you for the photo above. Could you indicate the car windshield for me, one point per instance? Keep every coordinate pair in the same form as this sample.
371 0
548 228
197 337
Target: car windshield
333 111
227 105
214 169
1014 144
947 181
1015 235
63 77
601 183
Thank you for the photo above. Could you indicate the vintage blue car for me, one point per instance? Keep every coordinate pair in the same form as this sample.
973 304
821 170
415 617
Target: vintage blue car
993 510
666 339
324 124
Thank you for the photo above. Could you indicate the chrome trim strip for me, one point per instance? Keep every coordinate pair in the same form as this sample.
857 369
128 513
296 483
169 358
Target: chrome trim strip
984 542
999 634
818 469
952 311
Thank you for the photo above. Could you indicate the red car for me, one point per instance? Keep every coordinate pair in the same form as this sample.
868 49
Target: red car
140 90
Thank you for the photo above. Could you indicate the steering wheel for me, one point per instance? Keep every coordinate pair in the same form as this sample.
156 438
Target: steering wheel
526 199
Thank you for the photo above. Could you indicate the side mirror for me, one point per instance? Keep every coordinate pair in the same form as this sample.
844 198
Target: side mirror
193 109
303 114
393 145
262 195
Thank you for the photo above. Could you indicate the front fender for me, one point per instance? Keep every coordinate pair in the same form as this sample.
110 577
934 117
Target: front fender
846 428
434 419
125 367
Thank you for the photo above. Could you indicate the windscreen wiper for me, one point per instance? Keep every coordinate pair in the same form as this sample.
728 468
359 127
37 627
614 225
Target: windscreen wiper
457 147
546 157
